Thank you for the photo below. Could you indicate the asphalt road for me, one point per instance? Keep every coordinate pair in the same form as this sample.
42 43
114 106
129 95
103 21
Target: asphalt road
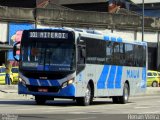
68 110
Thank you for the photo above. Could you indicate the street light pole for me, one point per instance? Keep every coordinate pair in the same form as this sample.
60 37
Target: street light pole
142 20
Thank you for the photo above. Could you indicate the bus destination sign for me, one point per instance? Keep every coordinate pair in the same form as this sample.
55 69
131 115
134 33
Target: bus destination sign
46 35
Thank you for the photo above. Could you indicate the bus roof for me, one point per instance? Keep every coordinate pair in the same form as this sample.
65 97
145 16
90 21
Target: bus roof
95 34
107 37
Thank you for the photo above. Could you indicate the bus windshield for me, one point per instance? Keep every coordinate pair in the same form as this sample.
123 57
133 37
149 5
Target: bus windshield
48 56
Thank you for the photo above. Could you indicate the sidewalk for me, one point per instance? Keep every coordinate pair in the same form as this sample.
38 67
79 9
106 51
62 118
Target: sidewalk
11 92
153 90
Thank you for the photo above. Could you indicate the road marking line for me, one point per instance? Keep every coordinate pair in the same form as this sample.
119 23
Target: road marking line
150 112
140 107
77 112
82 118
39 109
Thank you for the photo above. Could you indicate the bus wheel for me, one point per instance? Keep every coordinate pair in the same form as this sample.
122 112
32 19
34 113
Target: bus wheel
87 99
40 100
124 99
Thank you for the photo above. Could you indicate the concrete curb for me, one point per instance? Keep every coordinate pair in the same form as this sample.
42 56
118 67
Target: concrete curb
11 92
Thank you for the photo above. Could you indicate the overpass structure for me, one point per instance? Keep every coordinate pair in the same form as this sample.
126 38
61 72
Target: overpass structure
126 24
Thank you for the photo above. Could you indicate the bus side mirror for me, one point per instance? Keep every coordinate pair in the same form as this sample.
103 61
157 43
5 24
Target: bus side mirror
15 49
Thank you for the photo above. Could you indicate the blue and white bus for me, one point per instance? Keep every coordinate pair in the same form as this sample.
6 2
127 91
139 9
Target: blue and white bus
80 64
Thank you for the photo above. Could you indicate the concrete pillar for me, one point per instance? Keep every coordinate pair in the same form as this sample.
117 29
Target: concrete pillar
135 35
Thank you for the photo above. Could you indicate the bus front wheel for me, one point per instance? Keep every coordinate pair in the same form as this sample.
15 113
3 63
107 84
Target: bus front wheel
87 99
40 100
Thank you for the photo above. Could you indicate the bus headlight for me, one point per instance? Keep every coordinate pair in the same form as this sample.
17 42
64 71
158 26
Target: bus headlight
22 81
70 81
67 83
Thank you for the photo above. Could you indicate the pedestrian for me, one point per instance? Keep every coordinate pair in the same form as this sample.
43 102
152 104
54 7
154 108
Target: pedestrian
112 6
115 5
8 72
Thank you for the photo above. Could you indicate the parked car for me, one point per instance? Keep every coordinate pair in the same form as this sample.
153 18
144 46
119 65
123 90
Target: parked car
15 75
3 75
153 78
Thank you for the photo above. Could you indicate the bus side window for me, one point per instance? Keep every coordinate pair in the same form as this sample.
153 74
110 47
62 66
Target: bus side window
81 55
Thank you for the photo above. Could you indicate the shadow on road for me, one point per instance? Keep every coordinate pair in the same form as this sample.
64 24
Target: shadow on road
73 103
17 102
58 103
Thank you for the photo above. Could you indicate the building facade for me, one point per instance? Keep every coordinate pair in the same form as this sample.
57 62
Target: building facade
151 9
33 17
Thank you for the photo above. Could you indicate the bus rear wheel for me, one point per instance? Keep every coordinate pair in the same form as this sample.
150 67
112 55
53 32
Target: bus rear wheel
87 99
125 97
40 100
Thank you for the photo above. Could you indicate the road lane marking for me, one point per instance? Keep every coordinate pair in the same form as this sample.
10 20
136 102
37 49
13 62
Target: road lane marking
82 118
141 107
153 112
40 108
77 112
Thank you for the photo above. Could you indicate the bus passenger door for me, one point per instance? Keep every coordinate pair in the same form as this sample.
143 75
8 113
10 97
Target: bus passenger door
81 74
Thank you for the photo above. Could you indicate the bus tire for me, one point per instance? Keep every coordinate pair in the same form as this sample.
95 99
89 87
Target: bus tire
87 99
40 100
125 97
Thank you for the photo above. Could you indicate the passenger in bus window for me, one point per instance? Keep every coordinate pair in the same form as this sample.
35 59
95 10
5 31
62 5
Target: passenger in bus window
34 54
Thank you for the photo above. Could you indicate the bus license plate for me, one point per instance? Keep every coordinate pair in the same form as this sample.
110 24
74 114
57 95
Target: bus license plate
42 90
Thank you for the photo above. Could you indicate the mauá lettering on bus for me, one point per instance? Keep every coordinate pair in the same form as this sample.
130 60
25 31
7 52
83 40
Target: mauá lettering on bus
133 74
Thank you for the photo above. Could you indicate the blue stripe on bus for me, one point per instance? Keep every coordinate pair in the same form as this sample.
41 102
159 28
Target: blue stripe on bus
106 38
119 39
110 82
143 82
44 82
103 76
118 77
54 82
113 39
33 82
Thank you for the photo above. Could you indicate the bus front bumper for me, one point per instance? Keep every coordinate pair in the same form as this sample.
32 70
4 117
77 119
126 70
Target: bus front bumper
66 92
